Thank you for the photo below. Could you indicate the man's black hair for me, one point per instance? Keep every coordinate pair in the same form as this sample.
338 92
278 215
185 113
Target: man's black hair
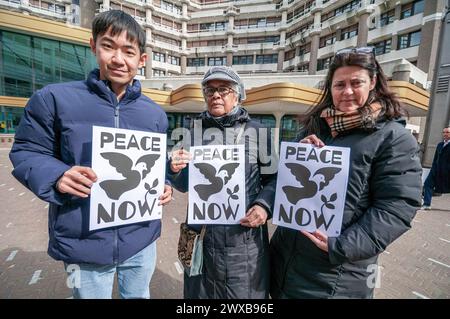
118 21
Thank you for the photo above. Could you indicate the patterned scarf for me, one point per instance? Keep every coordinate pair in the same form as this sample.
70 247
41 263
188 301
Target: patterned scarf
339 121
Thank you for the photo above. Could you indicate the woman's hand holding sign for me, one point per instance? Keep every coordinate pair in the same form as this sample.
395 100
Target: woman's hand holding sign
318 238
77 181
255 217
313 139
180 159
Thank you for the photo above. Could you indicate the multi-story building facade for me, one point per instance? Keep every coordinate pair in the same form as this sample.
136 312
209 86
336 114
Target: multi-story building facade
188 36
256 37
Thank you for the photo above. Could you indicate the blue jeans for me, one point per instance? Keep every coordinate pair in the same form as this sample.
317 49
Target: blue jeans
428 188
90 281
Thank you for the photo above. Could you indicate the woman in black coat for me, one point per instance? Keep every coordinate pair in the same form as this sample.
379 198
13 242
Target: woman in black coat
358 111
235 257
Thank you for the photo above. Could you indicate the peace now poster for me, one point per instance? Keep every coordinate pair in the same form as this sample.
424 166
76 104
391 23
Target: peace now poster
311 187
130 166
216 184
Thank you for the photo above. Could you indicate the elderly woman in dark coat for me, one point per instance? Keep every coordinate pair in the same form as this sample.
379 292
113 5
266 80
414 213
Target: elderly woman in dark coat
358 111
235 257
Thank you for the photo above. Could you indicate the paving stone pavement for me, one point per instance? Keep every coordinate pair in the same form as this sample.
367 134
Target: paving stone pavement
417 265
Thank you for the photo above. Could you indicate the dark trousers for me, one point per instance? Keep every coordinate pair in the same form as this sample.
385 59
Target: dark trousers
428 188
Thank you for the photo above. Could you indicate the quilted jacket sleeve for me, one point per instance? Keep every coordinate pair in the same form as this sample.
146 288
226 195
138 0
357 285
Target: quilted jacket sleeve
395 187
35 153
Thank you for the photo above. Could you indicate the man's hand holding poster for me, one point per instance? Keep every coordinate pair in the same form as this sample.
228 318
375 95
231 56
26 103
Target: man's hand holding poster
216 184
130 166
311 187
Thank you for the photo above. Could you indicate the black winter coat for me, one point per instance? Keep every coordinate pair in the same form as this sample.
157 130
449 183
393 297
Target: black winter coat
236 258
441 168
382 197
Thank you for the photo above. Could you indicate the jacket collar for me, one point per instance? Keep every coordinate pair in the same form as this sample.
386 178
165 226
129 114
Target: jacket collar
226 121
101 88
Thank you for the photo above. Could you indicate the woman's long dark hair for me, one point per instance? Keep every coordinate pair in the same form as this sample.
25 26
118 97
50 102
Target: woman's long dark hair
381 93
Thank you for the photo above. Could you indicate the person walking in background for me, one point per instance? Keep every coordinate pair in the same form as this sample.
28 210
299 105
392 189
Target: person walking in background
358 111
52 157
438 179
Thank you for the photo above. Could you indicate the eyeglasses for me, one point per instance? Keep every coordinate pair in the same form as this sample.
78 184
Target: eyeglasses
360 50
222 90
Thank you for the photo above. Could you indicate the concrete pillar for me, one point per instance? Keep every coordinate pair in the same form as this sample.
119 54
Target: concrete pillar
230 41
313 54
148 63
229 58
282 38
394 41
231 23
149 52
184 27
148 15
363 30
338 34
398 11
68 8
106 5
183 63
280 60
284 17
184 9
429 41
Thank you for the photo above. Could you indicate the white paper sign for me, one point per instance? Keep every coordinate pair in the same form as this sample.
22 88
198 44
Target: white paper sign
216 184
130 166
311 187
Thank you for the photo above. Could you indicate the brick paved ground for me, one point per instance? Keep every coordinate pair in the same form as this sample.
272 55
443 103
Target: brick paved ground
415 266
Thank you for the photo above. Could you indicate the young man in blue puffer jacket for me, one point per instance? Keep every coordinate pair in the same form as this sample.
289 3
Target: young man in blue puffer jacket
52 157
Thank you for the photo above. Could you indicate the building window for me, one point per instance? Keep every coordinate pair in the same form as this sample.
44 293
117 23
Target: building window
289 55
411 9
349 32
266 120
242 59
268 39
383 47
196 62
387 18
266 58
173 60
29 63
157 72
350 6
217 61
141 71
303 67
304 49
409 40
167 6
160 57
327 40
323 64
289 128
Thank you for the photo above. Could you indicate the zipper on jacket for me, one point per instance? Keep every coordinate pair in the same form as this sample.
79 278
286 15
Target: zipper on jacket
116 231
116 116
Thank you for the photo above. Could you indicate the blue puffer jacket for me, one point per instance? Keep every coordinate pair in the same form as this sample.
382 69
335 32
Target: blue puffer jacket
55 134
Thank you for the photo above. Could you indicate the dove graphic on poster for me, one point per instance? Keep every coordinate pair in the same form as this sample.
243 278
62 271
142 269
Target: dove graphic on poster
310 184
217 179
133 174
